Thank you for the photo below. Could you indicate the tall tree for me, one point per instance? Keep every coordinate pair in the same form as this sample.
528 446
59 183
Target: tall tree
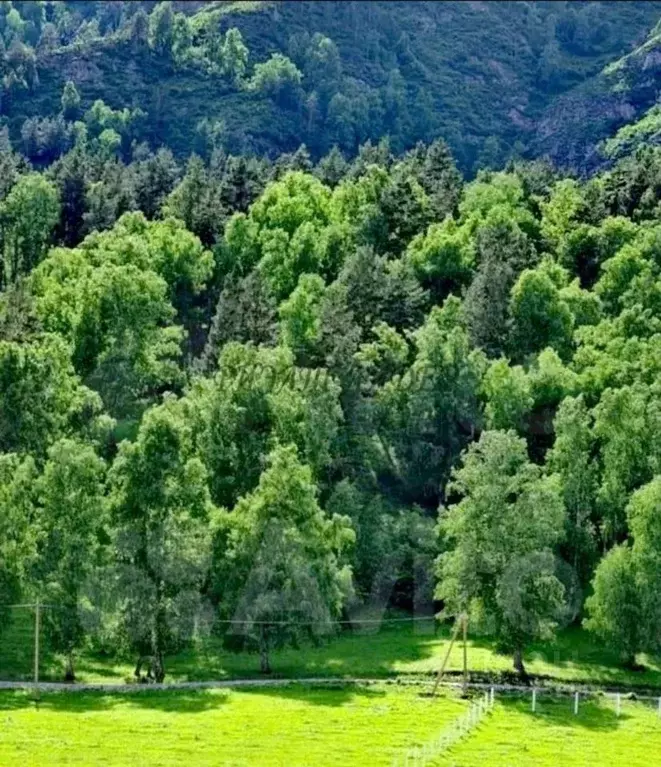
19 529
72 515
29 215
40 394
161 27
161 512
572 459
70 102
425 417
246 312
498 541
615 611
283 574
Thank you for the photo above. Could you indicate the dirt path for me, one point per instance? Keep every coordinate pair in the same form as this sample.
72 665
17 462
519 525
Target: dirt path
557 689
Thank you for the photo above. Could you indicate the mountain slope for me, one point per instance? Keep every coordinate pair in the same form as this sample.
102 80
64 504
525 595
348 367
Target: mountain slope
618 97
492 78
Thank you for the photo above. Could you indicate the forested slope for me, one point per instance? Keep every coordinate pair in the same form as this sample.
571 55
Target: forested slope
273 392
493 79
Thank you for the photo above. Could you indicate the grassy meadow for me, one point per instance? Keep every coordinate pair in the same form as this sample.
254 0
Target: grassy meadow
299 725
291 726
515 737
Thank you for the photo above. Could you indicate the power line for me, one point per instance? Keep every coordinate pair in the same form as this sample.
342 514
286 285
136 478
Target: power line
241 622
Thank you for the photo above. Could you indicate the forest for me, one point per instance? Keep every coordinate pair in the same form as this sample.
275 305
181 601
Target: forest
249 391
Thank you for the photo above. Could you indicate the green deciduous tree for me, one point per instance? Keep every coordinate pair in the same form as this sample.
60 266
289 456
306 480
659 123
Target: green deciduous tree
72 515
643 515
278 78
572 459
162 516
425 417
614 608
540 316
234 55
509 399
257 398
300 318
29 215
442 257
283 573
40 394
282 232
498 540
19 530
119 322
163 247
394 549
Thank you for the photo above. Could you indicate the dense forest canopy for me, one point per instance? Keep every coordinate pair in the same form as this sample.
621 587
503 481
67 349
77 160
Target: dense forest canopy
293 326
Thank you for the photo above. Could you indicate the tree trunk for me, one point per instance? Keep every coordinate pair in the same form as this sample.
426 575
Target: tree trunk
264 662
518 664
69 674
158 668
158 635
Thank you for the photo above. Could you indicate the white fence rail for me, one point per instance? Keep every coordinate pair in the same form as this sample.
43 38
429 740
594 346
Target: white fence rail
460 728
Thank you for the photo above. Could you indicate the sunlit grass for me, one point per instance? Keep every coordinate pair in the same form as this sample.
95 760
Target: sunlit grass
400 649
296 725
301 725
515 737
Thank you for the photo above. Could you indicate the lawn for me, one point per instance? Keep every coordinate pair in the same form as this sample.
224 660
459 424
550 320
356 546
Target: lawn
395 649
512 736
328 726
295 725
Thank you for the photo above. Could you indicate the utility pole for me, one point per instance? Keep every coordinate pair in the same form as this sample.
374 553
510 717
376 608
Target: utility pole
37 629
465 622
460 622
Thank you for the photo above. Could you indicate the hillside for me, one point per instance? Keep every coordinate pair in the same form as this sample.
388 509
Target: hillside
574 126
493 79
249 396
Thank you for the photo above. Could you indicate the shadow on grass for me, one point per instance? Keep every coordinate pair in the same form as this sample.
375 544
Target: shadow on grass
350 654
559 712
181 701
386 651
574 656
319 695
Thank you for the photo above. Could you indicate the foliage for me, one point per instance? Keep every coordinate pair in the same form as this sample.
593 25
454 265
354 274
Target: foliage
19 533
161 511
71 502
283 577
28 214
499 564
201 322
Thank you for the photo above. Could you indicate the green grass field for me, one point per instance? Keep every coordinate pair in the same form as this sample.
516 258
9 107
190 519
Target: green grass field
300 725
512 736
393 650
295 725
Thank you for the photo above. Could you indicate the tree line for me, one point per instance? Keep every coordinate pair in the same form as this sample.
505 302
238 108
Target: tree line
489 356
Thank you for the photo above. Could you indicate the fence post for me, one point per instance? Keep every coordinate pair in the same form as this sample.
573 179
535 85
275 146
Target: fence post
37 630
575 703
493 696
